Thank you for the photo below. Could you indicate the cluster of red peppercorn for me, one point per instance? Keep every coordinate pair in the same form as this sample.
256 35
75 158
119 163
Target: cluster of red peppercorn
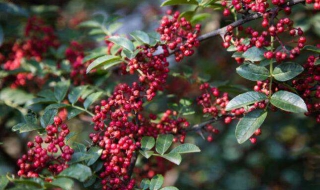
154 69
75 54
179 33
308 86
38 157
38 39
275 28
120 128
316 4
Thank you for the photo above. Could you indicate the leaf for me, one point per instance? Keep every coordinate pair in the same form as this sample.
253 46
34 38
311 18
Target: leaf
287 71
95 153
70 135
79 147
61 89
312 48
254 54
156 182
147 143
90 181
89 24
79 157
72 112
317 62
185 148
91 98
199 17
12 9
245 99
163 143
288 101
179 2
3 182
123 42
97 52
75 94
47 118
32 183
145 184
15 96
169 188
173 157
253 72
147 154
140 36
249 124
62 182
77 171
25 127
106 60
185 102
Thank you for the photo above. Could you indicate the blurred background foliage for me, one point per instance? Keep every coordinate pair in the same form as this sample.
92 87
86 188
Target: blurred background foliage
286 156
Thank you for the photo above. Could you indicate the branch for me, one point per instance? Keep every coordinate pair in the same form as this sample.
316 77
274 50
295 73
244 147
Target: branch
199 126
250 17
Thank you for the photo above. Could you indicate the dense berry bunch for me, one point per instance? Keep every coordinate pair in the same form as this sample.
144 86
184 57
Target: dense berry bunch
316 4
43 153
179 33
38 39
75 55
276 28
214 103
153 69
308 86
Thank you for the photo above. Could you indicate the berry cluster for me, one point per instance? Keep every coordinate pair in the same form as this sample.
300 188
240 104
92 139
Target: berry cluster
154 69
75 54
308 86
179 33
38 39
275 28
214 103
316 4
42 153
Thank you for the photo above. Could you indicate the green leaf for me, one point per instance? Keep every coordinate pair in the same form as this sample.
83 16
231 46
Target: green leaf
61 89
288 101
3 182
97 52
90 181
25 127
72 112
106 60
249 124
32 183
79 147
163 143
95 153
140 36
91 98
75 94
173 157
312 48
287 71
169 188
123 42
62 182
199 17
179 2
55 106
145 183
185 148
15 96
147 154
10 8
147 143
79 157
77 171
245 99
317 62
253 72
254 54
47 118
185 102
156 182
89 24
